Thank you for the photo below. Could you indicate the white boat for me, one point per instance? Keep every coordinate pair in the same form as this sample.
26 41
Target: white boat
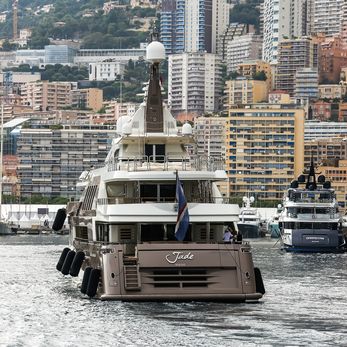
134 239
249 225
310 220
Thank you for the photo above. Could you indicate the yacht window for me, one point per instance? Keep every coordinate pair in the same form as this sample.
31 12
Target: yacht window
102 232
158 192
155 152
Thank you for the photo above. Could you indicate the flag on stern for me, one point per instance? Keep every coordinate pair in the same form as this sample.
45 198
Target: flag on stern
182 223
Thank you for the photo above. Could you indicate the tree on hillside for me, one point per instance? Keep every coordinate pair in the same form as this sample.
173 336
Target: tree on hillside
260 76
247 13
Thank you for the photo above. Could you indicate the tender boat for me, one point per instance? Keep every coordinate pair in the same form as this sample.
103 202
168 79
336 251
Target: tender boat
150 223
249 225
310 220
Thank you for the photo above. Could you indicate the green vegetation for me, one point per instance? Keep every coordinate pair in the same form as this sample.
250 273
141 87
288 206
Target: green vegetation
132 83
260 76
247 13
78 20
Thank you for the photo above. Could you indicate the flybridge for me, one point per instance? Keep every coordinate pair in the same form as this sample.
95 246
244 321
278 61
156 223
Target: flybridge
166 163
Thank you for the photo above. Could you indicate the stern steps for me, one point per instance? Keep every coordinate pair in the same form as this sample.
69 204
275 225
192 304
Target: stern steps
132 279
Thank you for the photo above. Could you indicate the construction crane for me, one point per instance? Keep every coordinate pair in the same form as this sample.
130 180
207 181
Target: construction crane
15 18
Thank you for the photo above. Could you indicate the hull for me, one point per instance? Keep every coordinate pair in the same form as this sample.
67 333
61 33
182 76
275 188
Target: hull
329 241
4 229
274 230
163 272
248 230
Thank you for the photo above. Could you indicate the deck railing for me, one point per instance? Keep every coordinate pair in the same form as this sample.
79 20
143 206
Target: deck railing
144 200
167 163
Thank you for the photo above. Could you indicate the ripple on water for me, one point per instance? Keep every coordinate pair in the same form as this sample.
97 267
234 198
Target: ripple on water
305 304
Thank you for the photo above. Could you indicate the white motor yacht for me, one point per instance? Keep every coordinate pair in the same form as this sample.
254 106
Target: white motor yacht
150 223
310 220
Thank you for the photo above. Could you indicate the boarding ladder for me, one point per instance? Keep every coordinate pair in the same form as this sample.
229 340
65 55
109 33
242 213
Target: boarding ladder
132 279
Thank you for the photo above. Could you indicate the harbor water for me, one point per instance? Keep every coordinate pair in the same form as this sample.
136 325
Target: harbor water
305 304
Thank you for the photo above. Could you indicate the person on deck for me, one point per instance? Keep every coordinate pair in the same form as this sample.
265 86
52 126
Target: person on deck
228 236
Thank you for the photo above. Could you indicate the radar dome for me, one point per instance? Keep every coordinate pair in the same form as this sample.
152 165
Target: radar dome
155 52
126 129
187 129
251 199
121 122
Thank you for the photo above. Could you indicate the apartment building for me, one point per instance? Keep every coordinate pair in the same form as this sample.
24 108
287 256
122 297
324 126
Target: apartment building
332 59
232 31
243 91
87 98
264 149
306 84
209 134
316 129
243 48
321 110
52 159
336 172
250 68
326 16
194 83
323 149
342 112
331 91
119 109
192 25
44 95
283 19
294 55
106 70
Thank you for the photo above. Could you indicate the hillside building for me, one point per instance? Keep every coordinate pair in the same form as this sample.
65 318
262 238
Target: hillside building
241 49
264 149
243 91
294 55
194 83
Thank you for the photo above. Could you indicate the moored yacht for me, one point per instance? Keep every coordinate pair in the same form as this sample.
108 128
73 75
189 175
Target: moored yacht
249 225
150 223
310 220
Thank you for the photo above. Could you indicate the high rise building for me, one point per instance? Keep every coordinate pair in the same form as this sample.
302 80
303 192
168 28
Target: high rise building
343 25
243 91
306 84
283 20
250 68
51 160
194 83
241 49
232 31
44 95
264 149
293 55
209 134
326 18
193 25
